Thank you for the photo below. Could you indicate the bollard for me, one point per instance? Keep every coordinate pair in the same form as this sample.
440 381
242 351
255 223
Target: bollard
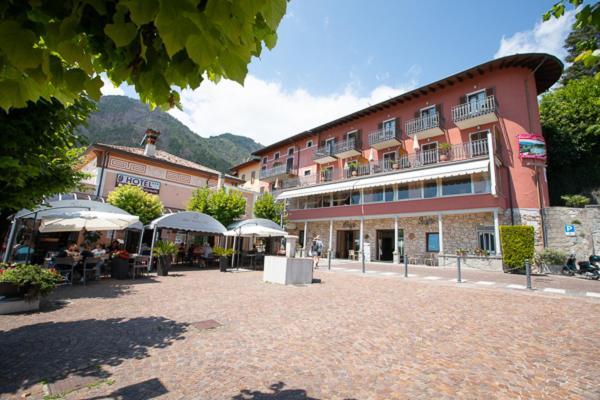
329 260
528 273
363 261
405 266
459 280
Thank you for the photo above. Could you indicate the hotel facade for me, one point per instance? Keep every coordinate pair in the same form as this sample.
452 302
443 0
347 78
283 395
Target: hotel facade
434 171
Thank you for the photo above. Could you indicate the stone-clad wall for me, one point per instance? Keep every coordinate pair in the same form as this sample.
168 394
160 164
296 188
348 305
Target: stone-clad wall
587 230
459 231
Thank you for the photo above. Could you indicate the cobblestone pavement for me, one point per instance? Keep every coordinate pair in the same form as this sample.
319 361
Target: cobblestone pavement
346 337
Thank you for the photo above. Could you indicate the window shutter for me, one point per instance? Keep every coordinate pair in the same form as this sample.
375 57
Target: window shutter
358 138
417 113
397 129
380 126
440 111
491 91
463 100
322 143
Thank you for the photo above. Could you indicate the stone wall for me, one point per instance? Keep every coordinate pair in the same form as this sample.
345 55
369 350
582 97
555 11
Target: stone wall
491 263
460 231
526 216
587 230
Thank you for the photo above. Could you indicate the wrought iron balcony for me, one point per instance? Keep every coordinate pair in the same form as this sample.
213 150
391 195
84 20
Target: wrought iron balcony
425 127
324 154
277 172
384 138
347 148
475 113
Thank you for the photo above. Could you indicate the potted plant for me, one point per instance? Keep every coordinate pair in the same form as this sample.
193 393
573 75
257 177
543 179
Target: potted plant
223 255
164 252
27 282
444 151
353 167
550 260
462 252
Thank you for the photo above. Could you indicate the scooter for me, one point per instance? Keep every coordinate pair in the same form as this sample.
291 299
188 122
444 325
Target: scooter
570 268
590 269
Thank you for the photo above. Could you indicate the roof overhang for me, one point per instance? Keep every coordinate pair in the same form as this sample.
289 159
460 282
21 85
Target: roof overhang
443 171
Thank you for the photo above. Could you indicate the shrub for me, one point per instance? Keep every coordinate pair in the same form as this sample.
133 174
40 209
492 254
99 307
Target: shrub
35 280
222 252
551 257
575 200
517 246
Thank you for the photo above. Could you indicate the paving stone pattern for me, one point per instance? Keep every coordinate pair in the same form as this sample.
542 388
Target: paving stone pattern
348 337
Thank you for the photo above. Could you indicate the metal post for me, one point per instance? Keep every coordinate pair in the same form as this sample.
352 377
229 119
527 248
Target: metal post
528 274
233 254
31 239
11 238
330 244
405 265
152 249
362 243
459 279
141 240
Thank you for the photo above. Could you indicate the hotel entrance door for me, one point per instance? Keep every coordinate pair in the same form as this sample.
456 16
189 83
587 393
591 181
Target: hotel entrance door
346 241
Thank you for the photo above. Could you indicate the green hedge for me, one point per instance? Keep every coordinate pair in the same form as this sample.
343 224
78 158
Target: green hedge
517 246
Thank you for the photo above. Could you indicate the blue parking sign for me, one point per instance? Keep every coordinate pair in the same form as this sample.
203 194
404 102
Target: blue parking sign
570 230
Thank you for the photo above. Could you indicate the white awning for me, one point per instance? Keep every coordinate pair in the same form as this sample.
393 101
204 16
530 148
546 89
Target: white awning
441 171
188 221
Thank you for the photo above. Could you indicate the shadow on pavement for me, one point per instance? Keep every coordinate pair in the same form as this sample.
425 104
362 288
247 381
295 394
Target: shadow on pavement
148 389
277 393
54 351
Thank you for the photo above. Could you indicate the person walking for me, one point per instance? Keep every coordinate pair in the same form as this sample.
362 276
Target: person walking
316 249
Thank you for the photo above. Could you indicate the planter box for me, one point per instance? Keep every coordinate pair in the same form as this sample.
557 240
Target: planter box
16 305
119 268
489 263
163 265
288 271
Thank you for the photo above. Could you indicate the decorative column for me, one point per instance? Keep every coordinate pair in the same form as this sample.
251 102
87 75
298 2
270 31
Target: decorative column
304 253
497 233
396 251
490 145
441 232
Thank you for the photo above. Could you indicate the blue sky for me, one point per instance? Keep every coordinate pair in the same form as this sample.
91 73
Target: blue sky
334 57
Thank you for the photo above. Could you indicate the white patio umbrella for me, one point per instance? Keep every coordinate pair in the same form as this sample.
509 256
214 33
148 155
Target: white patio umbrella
255 230
372 154
74 221
415 143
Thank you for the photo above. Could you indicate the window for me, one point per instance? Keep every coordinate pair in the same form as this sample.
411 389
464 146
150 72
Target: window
252 177
341 198
289 164
309 144
243 177
430 189
314 201
389 127
291 151
301 238
265 160
486 239
355 197
388 193
409 191
432 242
481 183
429 153
456 185
351 137
327 200
262 189
307 172
327 174
388 160
329 145
476 101
427 112
276 156
373 195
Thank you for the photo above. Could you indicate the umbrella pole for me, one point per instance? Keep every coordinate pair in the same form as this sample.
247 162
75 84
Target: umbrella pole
11 238
152 249
31 239
141 240
233 255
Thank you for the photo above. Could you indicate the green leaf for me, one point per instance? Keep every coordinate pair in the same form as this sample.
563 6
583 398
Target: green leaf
75 79
273 11
200 50
174 28
93 86
142 12
233 67
121 33
17 43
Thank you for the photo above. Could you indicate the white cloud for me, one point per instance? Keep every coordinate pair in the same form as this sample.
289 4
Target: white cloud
545 37
109 88
266 112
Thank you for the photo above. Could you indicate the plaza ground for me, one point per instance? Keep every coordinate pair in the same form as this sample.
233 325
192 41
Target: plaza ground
351 336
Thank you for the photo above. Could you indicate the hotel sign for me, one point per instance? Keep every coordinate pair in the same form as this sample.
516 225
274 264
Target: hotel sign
146 184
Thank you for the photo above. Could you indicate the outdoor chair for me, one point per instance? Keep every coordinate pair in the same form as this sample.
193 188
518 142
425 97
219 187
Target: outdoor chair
65 266
90 268
352 255
140 263
430 260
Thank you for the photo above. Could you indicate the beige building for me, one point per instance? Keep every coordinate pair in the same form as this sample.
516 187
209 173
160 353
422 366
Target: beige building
249 172
170 177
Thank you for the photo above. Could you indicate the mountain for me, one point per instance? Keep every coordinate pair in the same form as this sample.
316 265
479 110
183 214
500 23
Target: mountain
121 120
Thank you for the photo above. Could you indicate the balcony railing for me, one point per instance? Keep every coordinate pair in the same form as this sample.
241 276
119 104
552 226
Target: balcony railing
422 124
384 137
474 109
278 171
324 152
347 148
420 159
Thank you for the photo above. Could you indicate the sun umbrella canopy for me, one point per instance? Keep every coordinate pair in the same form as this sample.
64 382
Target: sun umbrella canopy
188 221
255 227
74 221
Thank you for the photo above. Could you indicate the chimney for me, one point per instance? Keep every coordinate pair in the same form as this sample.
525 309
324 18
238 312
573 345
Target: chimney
150 139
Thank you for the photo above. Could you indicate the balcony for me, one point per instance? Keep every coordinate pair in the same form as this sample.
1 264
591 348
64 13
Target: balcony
424 127
277 172
324 155
347 148
384 138
475 113
421 159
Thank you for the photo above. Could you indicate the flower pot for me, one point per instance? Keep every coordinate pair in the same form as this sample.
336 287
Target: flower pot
396 166
223 263
354 173
443 157
10 290
163 265
119 268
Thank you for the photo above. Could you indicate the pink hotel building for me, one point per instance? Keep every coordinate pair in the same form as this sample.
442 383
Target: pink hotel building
428 172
